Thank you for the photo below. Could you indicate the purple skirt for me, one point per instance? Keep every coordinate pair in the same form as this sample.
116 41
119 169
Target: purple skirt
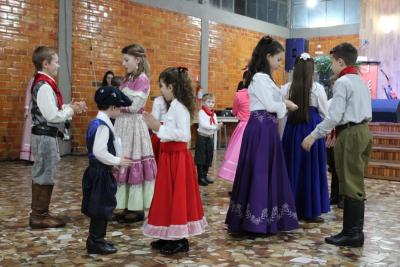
307 170
262 200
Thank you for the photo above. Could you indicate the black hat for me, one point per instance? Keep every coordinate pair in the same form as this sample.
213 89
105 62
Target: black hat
111 96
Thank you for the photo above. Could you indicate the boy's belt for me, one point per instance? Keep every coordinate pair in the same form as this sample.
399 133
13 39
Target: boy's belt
340 128
46 130
205 135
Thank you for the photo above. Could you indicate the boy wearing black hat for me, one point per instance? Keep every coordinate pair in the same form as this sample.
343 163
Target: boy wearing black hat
99 185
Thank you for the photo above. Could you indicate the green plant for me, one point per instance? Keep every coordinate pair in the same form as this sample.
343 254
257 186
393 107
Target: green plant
323 65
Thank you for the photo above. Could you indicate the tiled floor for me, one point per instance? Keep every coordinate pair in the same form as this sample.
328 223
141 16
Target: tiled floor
19 245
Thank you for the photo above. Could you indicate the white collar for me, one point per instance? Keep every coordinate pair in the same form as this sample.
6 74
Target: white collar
41 72
104 117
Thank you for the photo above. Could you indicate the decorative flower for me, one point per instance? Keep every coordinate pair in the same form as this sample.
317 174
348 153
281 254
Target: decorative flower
305 56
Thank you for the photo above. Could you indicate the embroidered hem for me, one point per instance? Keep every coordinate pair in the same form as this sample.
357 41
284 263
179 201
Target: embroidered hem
276 213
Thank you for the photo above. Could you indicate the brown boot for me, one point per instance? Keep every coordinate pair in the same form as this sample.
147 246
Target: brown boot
40 216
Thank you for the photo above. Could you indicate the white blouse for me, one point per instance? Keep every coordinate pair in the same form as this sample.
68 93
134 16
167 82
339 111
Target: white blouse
318 97
176 126
265 95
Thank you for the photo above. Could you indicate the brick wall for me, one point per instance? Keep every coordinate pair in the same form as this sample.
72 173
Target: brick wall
327 43
171 39
98 35
23 26
230 50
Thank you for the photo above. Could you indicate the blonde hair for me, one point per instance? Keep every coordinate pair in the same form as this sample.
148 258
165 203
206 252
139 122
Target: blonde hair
138 51
42 53
207 97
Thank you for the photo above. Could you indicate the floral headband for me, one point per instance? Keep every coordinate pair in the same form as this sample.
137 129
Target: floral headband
305 56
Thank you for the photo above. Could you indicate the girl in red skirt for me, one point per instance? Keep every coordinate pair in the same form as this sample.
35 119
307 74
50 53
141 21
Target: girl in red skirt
176 210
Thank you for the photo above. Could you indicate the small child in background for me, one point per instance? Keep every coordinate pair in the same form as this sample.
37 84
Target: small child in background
159 110
176 210
204 152
98 184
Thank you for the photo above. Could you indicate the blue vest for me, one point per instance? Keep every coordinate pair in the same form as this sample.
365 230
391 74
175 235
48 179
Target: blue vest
90 135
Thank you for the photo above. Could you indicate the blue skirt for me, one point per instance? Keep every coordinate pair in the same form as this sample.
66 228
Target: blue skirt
307 170
99 188
261 200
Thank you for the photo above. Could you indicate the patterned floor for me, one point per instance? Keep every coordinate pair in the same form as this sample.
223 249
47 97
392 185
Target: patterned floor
21 246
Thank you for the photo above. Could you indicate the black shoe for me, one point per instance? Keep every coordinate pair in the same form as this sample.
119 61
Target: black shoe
334 200
202 181
347 240
209 181
158 244
94 246
175 246
340 203
132 217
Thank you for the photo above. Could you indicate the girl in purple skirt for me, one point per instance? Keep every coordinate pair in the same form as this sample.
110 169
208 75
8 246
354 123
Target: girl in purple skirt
262 200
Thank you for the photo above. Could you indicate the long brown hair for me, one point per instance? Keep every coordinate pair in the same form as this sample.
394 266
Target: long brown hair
138 51
181 84
300 89
259 62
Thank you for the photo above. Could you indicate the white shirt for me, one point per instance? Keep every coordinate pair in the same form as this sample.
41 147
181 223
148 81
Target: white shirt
159 108
318 97
351 102
176 126
46 101
265 95
205 126
100 149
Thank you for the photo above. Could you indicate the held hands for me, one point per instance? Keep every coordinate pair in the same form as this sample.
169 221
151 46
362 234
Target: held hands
330 140
125 162
308 142
78 106
151 122
290 105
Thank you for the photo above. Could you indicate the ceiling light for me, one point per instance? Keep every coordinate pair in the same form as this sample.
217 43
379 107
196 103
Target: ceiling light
311 3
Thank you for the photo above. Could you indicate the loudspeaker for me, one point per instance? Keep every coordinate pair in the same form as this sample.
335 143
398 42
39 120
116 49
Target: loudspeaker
385 110
294 48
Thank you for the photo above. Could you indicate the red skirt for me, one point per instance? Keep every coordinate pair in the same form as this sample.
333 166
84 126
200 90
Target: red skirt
176 210
155 143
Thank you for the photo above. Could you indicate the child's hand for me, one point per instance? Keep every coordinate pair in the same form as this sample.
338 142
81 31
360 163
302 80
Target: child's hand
290 105
125 162
330 140
151 122
308 142
220 125
83 106
26 113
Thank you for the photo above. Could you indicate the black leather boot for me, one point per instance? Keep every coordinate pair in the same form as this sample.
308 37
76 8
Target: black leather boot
200 178
96 244
353 223
205 172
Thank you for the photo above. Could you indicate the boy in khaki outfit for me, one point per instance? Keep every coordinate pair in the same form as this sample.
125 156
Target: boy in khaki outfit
350 111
